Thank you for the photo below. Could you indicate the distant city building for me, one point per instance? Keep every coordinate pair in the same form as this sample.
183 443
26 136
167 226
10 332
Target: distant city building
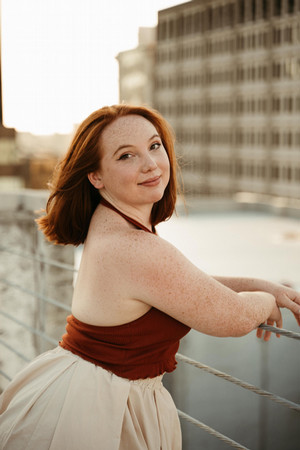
136 70
9 167
227 77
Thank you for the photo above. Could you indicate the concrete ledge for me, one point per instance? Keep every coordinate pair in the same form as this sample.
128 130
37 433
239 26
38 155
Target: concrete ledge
23 200
242 201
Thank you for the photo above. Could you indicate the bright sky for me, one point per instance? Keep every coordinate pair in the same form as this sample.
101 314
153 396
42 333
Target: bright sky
58 57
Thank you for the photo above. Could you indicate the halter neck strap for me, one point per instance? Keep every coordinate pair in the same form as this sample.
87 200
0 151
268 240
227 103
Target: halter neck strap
129 219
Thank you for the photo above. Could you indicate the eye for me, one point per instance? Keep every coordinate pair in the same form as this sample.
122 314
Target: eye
125 156
155 146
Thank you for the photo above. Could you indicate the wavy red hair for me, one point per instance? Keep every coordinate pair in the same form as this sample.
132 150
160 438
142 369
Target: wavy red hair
73 199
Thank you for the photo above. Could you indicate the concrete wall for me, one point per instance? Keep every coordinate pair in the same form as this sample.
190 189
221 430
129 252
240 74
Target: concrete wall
18 232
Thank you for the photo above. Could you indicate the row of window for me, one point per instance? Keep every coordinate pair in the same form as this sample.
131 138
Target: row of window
229 106
240 137
285 69
256 170
212 17
246 41
248 169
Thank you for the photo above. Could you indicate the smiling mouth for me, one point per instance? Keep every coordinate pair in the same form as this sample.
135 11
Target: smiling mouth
151 182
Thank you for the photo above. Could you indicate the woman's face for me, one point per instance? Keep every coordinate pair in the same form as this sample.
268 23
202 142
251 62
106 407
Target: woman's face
134 165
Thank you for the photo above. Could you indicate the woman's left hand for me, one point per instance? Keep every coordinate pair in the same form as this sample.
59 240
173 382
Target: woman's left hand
285 297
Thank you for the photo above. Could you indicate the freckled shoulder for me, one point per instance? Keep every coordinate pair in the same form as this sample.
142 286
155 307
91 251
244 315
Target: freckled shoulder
159 275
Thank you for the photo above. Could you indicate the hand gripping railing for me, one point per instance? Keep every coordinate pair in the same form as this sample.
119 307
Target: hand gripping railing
284 402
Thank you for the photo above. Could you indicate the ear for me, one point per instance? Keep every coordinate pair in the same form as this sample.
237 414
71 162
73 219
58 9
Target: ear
96 180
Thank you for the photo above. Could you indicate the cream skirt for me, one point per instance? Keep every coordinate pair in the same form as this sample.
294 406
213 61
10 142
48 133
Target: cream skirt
61 402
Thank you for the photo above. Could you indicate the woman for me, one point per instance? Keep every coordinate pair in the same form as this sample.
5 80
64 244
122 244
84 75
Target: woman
135 297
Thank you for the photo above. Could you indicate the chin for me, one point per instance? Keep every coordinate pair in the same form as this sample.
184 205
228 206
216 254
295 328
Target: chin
157 198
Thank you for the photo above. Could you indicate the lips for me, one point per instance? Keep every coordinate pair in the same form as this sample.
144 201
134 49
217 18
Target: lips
151 181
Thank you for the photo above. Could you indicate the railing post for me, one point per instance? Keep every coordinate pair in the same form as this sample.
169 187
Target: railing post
40 288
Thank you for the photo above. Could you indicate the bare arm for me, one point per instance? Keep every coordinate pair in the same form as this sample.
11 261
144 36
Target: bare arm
285 296
159 275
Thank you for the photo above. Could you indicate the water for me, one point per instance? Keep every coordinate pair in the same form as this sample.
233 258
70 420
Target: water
239 244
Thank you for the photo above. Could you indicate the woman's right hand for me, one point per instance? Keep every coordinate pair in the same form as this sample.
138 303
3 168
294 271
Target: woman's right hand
275 317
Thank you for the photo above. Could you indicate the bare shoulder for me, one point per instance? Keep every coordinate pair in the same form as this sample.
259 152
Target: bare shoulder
154 272
138 248
161 276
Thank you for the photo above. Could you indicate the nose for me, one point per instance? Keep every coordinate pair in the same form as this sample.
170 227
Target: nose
148 163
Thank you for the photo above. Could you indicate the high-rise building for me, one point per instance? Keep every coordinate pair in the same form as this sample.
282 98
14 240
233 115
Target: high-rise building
136 70
8 151
227 78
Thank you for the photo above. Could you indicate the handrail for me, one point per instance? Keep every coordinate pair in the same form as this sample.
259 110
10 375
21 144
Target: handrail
39 258
211 431
281 331
34 331
36 294
238 382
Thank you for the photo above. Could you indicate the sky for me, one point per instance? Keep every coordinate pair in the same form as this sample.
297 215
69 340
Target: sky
59 57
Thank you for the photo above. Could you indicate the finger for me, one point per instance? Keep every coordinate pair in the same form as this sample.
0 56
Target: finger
268 334
279 325
294 307
292 303
259 333
297 317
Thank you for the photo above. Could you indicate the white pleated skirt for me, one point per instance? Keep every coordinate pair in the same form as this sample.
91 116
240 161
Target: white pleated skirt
62 402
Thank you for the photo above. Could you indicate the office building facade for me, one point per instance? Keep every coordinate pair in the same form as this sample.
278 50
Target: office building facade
227 77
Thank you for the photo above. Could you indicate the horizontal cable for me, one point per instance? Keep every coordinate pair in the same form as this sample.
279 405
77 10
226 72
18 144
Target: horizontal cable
211 431
12 349
238 382
48 261
29 328
281 331
35 294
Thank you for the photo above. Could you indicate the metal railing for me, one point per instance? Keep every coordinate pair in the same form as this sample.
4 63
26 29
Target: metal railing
40 332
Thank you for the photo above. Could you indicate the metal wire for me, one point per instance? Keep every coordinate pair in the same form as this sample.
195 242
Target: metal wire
42 259
36 294
29 328
211 431
238 382
281 331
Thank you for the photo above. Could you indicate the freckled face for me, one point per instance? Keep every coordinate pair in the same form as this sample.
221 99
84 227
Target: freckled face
134 165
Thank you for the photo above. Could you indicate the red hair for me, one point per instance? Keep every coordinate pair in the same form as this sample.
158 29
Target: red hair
73 199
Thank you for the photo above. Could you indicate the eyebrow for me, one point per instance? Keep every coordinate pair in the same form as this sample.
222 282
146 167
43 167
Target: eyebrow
130 145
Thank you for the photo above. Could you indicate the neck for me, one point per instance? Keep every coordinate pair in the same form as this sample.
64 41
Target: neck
133 215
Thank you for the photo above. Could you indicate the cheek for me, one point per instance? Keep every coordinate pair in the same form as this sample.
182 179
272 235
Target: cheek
123 175
165 164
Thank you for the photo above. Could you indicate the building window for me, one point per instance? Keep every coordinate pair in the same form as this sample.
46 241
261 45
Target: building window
275 172
275 138
265 9
209 18
179 26
241 11
197 22
291 6
171 28
162 30
288 35
276 70
188 24
276 7
288 104
276 36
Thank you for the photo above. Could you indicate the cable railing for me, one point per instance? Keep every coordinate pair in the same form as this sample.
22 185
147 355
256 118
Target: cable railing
40 333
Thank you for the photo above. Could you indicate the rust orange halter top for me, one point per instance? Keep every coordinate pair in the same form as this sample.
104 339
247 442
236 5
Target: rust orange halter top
143 348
